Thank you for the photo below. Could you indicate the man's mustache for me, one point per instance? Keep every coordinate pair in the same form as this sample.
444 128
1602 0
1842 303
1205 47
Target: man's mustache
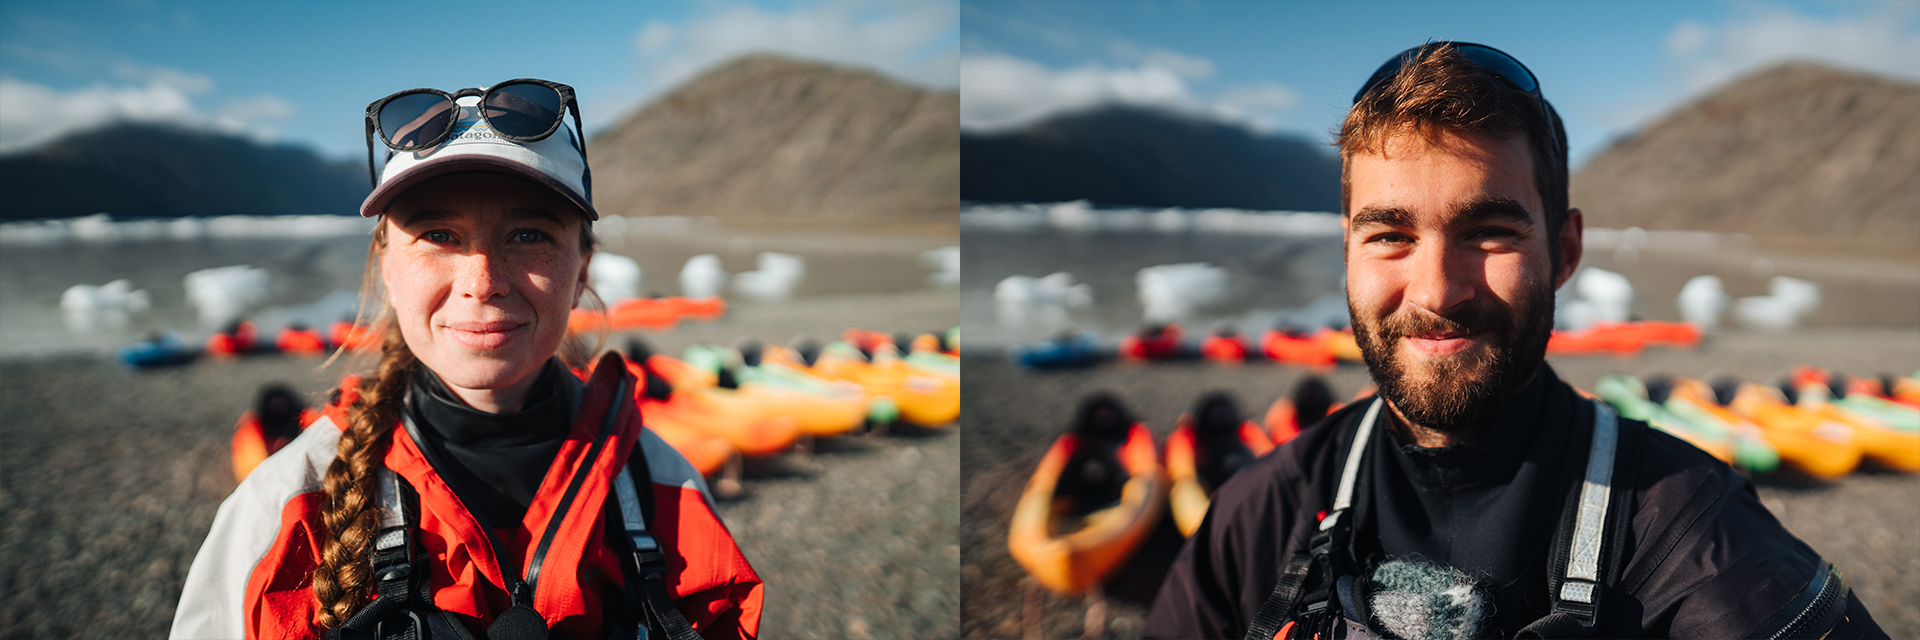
1470 319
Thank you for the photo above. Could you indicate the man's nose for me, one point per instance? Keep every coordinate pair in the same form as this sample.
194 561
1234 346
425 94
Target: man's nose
479 276
1440 278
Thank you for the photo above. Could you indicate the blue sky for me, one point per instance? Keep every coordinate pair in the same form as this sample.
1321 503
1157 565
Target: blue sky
1293 67
302 72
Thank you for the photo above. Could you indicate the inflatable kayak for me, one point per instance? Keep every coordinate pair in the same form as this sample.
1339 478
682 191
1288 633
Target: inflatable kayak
1694 400
1224 345
275 420
157 351
925 398
1310 402
1822 448
237 339
1345 347
300 339
1283 344
1623 339
1069 351
820 408
1628 395
747 428
1879 442
1206 447
647 313
1097 494
353 337
1153 342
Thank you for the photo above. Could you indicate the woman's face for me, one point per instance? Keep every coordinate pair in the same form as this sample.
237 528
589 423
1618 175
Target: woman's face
481 270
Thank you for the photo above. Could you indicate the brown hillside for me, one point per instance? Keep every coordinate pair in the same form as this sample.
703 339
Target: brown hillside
764 139
1796 153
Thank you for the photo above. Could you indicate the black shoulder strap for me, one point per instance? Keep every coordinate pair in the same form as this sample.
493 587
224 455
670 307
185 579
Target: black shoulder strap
1811 614
1587 552
646 586
1285 602
393 574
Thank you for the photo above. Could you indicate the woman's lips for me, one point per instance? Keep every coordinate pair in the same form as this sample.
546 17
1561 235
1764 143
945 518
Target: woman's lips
1441 343
484 335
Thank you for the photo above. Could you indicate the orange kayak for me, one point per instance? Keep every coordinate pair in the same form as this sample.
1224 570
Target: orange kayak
300 340
647 313
1226 347
1879 442
353 337
1821 447
255 439
1203 452
925 397
1623 338
1097 494
1314 350
1310 402
238 339
743 426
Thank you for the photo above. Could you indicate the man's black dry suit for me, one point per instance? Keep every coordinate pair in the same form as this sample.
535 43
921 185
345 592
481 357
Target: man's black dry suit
1699 557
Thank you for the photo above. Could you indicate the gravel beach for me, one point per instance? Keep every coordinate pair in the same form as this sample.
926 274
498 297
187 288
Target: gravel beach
110 479
1863 522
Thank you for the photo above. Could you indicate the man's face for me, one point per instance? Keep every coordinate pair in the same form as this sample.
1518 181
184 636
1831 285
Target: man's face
1450 277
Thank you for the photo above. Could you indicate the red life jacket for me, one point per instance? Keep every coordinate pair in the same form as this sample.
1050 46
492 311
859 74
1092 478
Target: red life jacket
253 575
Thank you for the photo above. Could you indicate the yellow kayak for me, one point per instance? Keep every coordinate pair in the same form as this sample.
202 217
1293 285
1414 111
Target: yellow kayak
1203 452
1097 494
1823 448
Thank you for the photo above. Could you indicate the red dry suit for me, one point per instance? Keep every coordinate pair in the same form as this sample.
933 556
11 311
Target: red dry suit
253 575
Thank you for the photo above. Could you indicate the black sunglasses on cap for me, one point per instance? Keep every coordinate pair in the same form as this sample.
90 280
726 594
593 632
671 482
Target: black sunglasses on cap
1491 60
522 110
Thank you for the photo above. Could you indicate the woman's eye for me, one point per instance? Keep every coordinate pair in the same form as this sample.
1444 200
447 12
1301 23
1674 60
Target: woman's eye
529 236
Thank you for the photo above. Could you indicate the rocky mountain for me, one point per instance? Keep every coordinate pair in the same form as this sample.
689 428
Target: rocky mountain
158 170
772 140
1797 153
1135 156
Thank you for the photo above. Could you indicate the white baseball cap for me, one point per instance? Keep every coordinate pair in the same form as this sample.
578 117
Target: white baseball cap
558 161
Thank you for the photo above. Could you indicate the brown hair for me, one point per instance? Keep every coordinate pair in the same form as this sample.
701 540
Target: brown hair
1441 90
343 582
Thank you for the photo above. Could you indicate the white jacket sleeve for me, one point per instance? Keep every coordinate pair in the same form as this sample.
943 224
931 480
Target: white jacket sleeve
213 600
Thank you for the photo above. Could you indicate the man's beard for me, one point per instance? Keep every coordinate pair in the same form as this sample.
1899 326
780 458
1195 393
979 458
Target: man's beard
1460 392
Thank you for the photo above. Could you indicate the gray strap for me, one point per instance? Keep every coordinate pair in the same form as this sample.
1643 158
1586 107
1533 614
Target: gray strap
392 512
1344 498
630 512
1583 565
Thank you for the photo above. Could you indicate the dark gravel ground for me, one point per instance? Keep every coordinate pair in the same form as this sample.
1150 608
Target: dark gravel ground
1863 523
109 479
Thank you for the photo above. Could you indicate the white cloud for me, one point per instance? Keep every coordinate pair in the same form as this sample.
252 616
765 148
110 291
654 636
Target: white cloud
902 39
31 113
1884 38
1003 92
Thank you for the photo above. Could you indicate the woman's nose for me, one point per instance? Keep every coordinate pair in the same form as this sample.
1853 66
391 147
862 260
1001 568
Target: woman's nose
479 276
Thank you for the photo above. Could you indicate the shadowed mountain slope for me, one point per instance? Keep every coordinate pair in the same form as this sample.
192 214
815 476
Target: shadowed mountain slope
1134 156
769 139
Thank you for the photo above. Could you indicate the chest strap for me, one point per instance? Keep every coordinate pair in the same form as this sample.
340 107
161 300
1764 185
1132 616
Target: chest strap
1576 602
650 561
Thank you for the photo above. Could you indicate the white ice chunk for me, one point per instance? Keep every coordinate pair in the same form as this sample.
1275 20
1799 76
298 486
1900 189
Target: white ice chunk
774 280
1610 293
108 305
945 261
224 294
1790 300
1172 291
702 276
614 277
1702 300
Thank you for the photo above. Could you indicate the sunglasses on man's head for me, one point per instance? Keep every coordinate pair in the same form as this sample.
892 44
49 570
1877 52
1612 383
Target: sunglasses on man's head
1491 60
524 110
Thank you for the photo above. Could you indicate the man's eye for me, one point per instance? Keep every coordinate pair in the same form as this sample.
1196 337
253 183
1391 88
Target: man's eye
1390 238
438 237
529 236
